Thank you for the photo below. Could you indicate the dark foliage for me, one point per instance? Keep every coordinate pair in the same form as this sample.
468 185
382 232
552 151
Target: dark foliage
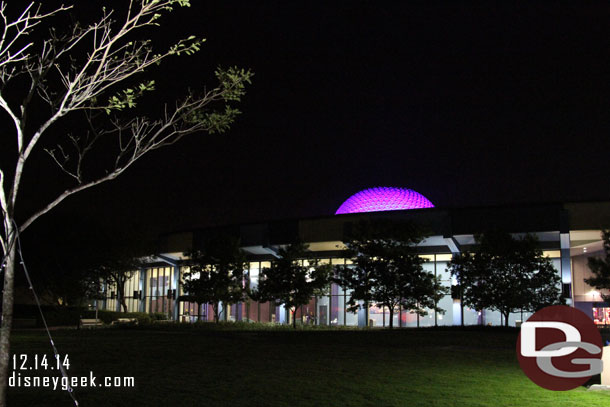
216 274
506 274
600 267
387 269
292 280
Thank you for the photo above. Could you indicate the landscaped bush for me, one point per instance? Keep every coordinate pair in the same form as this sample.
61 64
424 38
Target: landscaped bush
159 316
239 326
71 316
109 316
105 316
28 310
55 315
142 317
60 316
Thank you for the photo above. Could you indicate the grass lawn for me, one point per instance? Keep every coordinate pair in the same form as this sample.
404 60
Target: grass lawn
204 367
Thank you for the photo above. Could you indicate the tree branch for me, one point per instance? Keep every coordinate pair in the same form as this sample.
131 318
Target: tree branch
67 193
22 26
113 59
109 63
16 121
4 210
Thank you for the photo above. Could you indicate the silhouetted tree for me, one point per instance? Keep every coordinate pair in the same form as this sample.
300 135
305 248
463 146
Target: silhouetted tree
600 267
115 273
506 274
67 283
216 274
387 269
292 280
70 268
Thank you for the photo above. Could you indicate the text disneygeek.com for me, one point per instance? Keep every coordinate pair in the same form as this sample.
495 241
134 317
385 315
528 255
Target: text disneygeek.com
64 383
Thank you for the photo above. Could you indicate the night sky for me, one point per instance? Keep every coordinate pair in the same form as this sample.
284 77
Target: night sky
468 103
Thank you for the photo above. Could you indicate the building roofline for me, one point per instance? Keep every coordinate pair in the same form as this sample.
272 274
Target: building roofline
436 209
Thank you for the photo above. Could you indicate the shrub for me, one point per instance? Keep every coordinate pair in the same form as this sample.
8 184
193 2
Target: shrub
107 317
60 316
159 316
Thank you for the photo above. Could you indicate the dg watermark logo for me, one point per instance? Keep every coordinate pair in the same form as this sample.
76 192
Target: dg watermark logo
559 348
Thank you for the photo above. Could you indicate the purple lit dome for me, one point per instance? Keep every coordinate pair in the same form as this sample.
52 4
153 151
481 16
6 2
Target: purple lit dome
384 199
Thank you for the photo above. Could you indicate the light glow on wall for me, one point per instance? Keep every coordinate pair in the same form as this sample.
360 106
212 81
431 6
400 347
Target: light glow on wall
384 199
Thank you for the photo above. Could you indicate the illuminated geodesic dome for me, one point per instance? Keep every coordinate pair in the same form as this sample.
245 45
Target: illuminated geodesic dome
384 199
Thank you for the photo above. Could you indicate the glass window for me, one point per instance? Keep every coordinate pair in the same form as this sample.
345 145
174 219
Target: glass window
446 304
443 257
428 319
493 318
472 316
443 272
254 272
323 311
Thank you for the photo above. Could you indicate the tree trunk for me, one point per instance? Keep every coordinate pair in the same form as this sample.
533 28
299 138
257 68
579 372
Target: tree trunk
391 317
120 289
123 303
506 319
7 315
461 308
294 318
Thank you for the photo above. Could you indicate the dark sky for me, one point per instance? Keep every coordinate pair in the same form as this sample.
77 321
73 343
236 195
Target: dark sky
469 103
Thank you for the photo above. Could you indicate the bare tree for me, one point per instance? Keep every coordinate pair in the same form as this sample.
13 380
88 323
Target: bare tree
91 69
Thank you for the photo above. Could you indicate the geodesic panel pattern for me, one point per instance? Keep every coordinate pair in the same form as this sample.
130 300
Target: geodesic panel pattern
384 199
